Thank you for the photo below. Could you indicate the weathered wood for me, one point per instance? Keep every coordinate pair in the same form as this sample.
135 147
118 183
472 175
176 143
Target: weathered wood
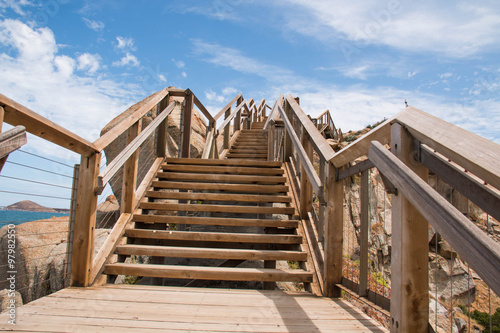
228 119
476 154
86 208
222 178
304 159
469 186
2 114
249 163
476 248
209 144
318 141
216 208
16 114
355 169
203 109
287 139
161 138
261 198
12 140
238 99
146 181
334 234
129 179
225 144
410 248
143 107
238 188
187 115
306 190
382 134
131 148
363 246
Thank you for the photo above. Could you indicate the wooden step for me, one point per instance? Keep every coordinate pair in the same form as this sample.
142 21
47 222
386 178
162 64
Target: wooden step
217 197
209 253
200 161
213 236
221 221
238 188
235 179
234 170
246 155
217 208
209 273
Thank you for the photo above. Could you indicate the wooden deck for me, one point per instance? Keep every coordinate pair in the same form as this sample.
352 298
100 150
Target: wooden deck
127 308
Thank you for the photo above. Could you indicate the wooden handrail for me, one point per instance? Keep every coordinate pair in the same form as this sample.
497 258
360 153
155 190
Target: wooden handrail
479 251
228 105
304 159
231 116
12 140
125 154
17 114
318 141
279 101
203 109
116 131
476 154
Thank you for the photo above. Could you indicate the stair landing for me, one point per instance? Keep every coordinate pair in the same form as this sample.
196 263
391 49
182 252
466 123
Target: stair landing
124 308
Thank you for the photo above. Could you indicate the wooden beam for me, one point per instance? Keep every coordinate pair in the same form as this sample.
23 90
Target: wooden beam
228 119
334 234
360 147
476 154
86 208
471 187
12 140
238 99
203 109
187 115
319 142
226 129
161 139
17 114
355 169
129 180
477 249
305 185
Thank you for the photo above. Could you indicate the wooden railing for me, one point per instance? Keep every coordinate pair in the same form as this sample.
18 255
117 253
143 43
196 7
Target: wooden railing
325 122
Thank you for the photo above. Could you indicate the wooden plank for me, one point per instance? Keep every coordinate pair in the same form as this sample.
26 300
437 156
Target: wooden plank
187 115
217 197
140 109
308 167
208 147
228 119
198 161
355 169
238 188
239 170
382 134
364 234
161 135
86 209
222 178
209 253
216 208
209 273
146 181
12 140
214 236
203 109
216 221
129 179
131 148
472 244
223 110
476 154
109 246
16 114
318 141
334 234
471 187
225 144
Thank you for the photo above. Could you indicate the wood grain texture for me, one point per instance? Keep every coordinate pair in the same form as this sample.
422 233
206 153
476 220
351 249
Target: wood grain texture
12 140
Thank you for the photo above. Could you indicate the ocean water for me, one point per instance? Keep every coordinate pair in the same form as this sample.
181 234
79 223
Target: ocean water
18 217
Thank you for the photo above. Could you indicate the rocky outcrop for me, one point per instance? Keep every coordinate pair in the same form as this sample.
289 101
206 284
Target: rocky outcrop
108 213
30 206
41 256
147 150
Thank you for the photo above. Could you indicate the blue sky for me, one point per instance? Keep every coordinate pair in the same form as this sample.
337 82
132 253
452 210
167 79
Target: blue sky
81 63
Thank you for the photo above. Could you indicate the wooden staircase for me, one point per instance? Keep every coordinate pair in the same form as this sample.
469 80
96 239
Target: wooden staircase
204 219
250 144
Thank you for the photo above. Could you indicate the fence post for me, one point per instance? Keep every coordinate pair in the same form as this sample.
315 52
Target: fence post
305 185
288 146
161 139
226 129
363 246
130 171
86 208
186 124
409 268
334 233
270 141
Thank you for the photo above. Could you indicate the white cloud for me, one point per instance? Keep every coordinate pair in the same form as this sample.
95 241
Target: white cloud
15 5
89 62
453 28
229 91
94 25
213 96
125 44
179 63
65 65
355 72
127 60
412 74
184 74
162 78
446 75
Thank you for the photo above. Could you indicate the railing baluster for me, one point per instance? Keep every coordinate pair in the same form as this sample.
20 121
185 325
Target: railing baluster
363 246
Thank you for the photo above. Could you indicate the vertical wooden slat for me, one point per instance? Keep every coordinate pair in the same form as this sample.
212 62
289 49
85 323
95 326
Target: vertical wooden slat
226 129
130 172
334 233
161 139
2 113
409 261
363 247
71 226
270 141
86 206
305 185
322 205
186 124
288 146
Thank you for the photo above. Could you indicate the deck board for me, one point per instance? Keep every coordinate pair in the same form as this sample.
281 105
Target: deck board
123 308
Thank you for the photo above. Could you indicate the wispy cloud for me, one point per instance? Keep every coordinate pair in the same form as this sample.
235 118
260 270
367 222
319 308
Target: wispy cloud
94 25
15 5
125 44
127 60
89 62
179 63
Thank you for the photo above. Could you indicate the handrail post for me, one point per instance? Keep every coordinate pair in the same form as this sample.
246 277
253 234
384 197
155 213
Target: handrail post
186 124
334 233
288 145
226 129
305 184
270 141
409 268
129 181
161 139
86 209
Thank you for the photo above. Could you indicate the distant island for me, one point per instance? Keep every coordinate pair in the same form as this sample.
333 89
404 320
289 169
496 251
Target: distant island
30 206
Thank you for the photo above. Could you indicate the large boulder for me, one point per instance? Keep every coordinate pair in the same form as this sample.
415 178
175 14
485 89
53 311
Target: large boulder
147 150
41 256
